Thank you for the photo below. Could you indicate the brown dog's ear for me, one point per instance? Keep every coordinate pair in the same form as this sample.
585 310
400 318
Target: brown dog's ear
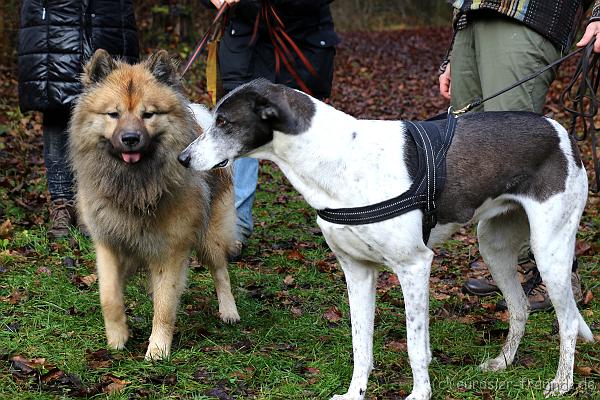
100 65
163 68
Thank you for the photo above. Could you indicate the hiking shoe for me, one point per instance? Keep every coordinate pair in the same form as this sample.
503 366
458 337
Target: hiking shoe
62 218
486 286
539 299
238 249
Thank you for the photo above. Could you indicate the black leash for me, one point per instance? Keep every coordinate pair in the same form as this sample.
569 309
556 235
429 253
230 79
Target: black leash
585 97
478 102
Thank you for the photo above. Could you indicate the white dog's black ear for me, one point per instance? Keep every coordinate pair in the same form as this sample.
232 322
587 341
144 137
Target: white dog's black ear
268 112
100 65
265 109
163 68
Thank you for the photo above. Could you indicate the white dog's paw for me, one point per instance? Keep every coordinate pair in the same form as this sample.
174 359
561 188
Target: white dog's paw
493 364
116 336
229 315
420 395
558 387
347 397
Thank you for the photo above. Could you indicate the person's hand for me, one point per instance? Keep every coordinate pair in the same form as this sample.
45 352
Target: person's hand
592 30
219 3
445 84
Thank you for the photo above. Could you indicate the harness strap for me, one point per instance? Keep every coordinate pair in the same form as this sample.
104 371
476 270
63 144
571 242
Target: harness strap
423 192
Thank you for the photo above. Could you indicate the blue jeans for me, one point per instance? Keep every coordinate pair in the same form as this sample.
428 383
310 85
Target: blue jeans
245 178
58 170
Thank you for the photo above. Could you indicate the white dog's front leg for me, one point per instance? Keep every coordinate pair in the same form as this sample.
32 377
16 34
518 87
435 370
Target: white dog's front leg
361 280
414 279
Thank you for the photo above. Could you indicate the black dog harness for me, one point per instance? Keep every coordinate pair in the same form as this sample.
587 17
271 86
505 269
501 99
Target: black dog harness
432 144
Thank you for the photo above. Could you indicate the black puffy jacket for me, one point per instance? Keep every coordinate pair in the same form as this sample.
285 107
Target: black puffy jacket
56 37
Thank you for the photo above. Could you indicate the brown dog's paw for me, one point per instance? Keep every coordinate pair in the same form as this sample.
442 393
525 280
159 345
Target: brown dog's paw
230 316
116 336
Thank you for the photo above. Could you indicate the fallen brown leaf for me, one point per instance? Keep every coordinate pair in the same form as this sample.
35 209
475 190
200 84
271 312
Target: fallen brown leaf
15 297
288 280
295 255
296 311
115 385
311 371
583 371
397 346
441 296
582 248
43 270
588 297
84 282
5 229
333 314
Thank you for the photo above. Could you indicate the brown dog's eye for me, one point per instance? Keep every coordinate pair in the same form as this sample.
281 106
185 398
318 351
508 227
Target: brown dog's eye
113 115
147 115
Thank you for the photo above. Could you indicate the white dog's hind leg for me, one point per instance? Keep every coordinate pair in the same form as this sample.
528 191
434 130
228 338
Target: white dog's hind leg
414 279
553 227
500 239
361 280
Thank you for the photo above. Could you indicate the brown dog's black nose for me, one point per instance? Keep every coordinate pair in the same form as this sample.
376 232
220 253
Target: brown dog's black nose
184 159
131 139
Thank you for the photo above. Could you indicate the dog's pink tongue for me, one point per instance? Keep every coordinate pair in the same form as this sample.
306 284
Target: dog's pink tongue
131 157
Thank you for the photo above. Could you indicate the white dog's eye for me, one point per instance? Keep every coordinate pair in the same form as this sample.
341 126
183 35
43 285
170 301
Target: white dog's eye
113 115
147 115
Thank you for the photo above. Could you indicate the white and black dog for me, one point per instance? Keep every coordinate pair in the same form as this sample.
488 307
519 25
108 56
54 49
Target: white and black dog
518 175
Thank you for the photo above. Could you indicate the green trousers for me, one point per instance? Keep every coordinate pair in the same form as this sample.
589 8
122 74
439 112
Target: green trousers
490 54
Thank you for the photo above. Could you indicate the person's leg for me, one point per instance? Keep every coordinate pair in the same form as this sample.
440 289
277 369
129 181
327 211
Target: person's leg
508 51
245 178
58 171
466 85
58 174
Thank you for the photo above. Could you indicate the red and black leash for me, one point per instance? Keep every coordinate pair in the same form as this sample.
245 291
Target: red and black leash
210 32
283 45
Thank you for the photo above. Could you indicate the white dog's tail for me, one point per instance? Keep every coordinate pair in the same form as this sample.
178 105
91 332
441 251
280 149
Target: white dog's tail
584 330
202 115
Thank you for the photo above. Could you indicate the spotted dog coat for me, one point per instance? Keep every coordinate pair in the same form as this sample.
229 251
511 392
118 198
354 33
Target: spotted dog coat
517 175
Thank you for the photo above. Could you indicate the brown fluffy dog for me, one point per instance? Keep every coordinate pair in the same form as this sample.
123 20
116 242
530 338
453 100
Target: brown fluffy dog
141 207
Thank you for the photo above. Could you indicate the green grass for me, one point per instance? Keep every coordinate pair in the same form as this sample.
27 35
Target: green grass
284 347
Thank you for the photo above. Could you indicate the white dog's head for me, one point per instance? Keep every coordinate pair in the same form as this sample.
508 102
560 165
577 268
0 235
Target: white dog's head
245 120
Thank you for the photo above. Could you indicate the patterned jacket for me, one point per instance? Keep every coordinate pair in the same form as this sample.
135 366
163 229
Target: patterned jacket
557 20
